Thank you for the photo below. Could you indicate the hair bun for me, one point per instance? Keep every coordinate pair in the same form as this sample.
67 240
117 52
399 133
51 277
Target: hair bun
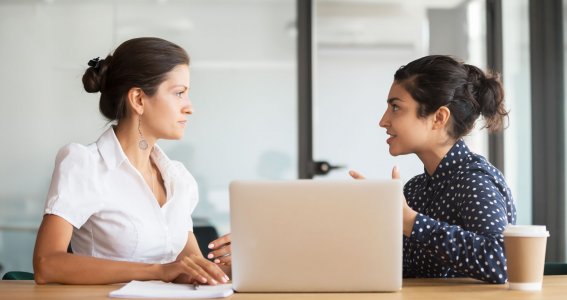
489 94
475 76
93 79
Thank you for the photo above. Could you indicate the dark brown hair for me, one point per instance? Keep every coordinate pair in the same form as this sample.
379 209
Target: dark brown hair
439 80
140 62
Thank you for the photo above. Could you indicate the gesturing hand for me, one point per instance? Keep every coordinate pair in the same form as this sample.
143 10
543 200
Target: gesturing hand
409 214
354 174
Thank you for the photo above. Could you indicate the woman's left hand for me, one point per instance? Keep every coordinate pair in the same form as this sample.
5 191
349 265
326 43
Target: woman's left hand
221 253
408 213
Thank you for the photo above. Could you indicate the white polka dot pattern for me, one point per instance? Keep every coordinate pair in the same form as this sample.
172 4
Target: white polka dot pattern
463 209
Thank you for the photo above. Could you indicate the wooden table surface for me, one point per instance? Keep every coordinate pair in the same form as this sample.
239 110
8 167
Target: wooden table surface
554 287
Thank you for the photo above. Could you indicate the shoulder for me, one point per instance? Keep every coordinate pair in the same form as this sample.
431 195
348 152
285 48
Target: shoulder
76 163
480 180
415 182
476 167
76 154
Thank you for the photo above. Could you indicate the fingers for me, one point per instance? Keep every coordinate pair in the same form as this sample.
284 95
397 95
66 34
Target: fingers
218 243
223 260
203 270
355 174
195 271
222 250
221 255
213 271
395 173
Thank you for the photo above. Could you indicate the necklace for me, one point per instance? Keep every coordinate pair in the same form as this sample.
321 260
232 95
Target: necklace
151 176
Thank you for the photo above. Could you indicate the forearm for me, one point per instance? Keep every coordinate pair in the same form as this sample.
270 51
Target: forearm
477 255
75 269
408 221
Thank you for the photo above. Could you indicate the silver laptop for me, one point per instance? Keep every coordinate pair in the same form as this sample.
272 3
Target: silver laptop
316 236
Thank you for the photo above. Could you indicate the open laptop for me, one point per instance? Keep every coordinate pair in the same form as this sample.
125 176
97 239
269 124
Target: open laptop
316 235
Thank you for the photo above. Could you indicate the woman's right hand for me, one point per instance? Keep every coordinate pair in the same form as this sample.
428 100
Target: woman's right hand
193 269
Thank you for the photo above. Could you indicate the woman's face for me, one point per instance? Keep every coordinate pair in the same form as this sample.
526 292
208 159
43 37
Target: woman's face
407 132
166 114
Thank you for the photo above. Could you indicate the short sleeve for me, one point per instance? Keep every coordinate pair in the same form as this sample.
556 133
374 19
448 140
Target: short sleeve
74 193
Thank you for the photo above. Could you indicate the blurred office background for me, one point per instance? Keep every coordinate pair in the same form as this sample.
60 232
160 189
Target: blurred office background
244 88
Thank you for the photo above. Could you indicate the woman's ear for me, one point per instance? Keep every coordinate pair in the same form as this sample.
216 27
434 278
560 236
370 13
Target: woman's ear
135 100
441 117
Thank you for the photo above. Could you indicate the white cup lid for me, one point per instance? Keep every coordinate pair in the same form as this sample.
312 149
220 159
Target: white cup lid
526 230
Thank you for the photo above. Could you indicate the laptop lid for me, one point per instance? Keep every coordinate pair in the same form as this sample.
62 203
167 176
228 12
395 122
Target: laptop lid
316 235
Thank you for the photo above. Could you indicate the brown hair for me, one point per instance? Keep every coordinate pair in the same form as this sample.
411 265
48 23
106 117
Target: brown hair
140 62
468 92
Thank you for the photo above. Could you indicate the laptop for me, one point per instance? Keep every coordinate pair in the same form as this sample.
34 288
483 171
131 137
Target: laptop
316 235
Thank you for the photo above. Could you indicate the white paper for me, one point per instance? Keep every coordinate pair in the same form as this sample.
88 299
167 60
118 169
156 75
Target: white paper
160 289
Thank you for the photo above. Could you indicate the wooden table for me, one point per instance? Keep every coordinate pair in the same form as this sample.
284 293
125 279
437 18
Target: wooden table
554 287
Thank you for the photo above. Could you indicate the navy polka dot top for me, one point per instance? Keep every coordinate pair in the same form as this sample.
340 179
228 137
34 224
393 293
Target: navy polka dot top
462 211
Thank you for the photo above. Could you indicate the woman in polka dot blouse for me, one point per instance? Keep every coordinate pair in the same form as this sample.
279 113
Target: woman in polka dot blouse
456 210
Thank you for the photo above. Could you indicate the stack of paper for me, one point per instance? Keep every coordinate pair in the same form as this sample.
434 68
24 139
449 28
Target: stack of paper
160 289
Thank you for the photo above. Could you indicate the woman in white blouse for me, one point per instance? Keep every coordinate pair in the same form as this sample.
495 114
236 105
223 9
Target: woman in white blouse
124 206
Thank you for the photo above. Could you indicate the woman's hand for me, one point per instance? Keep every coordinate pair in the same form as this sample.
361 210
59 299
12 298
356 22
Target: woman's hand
408 213
221 253
354 174
192 269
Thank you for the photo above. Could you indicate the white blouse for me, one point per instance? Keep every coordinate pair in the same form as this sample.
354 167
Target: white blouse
113 211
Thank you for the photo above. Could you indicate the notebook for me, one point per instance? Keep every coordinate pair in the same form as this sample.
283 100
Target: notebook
316 236
160 289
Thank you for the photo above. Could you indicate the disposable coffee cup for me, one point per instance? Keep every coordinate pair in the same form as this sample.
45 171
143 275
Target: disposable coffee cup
525 255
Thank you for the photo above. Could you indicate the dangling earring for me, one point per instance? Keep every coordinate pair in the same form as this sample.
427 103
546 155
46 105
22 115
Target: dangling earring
142 144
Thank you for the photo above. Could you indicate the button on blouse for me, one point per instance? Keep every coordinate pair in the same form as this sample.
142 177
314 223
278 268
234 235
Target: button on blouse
463 209
113 211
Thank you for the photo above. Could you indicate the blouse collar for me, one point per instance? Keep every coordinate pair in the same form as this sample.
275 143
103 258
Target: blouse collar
113 155
451 162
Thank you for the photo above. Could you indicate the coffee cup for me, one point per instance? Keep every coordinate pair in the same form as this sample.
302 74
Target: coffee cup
525 255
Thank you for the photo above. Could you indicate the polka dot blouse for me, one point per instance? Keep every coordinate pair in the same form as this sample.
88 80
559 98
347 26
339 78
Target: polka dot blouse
463 209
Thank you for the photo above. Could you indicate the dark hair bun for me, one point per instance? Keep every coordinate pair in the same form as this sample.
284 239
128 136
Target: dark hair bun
93 79
489 94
